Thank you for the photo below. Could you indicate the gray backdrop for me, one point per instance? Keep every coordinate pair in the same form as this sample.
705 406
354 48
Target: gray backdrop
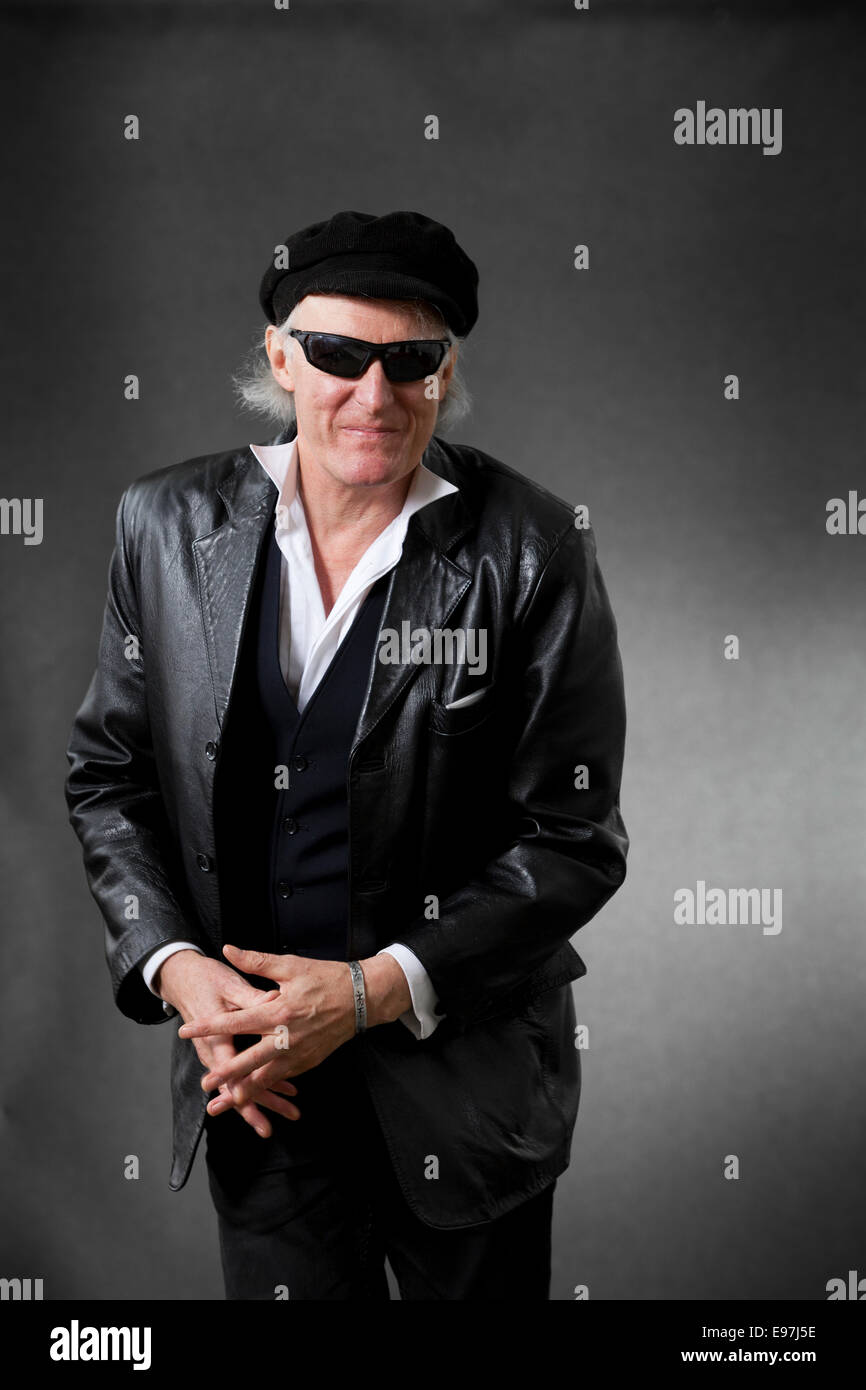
556 128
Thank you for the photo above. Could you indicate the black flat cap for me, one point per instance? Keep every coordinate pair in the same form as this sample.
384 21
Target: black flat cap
403 255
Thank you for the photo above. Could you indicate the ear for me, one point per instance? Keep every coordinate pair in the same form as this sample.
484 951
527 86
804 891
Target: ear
280 355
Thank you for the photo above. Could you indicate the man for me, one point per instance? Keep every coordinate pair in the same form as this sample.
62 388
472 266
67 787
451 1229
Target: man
347 781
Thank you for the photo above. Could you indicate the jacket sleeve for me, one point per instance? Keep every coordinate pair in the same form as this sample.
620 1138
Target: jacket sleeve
508 922
115 806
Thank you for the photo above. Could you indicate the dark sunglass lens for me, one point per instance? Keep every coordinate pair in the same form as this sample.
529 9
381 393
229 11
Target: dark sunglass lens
413 361
333 354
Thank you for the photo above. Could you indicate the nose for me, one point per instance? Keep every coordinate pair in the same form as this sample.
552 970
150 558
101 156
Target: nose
373 389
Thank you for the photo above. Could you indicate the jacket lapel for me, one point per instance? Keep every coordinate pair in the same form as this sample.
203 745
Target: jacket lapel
425 589
226 562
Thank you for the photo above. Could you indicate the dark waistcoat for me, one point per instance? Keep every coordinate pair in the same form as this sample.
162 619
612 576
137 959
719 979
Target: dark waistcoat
284 848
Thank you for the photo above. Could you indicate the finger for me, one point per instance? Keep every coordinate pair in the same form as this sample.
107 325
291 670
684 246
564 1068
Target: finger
254 1117
267 1098
287 1088
247 1110
219 1052
250 1087
222 1049
241 1065
223 1101
269 1077
241 994
282 1107
264 1080
264 1076
256 962
259 1019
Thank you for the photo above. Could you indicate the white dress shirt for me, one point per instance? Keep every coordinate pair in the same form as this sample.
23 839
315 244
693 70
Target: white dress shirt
309 639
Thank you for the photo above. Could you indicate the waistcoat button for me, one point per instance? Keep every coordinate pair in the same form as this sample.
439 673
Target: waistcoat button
211 749
204 862
290 825
284 888
299 763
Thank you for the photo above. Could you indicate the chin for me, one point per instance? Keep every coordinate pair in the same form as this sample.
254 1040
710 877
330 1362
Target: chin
373 472
374 456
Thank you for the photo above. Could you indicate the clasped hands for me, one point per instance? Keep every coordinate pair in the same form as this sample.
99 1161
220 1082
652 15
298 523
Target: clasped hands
303 1020
309 1014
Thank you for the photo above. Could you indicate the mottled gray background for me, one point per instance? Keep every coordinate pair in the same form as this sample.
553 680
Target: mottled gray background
556 128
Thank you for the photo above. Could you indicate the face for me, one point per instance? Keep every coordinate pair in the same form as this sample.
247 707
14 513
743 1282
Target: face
365 431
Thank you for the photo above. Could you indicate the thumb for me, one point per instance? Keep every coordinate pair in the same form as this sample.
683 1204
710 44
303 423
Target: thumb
255 962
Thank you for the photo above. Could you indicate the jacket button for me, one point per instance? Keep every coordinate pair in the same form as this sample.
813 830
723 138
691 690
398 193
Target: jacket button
299 763
211 749
290 825
284 888
204 862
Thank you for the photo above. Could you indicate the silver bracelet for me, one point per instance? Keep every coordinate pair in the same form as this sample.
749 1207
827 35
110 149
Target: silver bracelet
360 996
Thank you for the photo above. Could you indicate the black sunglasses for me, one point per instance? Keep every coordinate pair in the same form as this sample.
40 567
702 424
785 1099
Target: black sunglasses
350 357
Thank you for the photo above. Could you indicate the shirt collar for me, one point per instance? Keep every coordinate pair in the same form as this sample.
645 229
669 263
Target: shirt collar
280 462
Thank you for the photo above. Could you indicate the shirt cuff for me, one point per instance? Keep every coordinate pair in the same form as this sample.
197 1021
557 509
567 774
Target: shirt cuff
422 1019
151 964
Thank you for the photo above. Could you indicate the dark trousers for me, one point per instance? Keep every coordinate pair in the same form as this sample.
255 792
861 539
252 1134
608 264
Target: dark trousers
312 1212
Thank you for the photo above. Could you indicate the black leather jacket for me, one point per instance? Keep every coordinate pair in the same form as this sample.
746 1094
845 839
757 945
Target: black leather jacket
475 805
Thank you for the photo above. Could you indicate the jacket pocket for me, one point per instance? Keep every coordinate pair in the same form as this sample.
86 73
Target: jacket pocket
461 718
549 1020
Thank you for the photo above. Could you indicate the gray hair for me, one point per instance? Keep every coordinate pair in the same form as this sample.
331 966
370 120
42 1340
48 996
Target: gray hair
257 389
